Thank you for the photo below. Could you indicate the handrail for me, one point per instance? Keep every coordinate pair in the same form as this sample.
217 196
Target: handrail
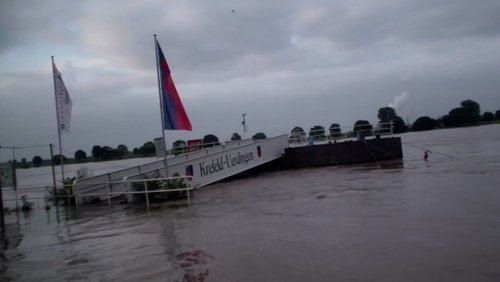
94 185
327 135
110 193
137 170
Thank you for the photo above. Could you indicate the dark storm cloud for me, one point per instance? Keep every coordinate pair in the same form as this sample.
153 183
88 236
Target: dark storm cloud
285 63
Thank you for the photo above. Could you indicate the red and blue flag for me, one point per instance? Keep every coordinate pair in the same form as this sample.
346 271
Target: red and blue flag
174 115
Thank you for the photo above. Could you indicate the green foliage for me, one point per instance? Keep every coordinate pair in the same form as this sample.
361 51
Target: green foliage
57 159
297 134
179 147
235 137
386 114
424 123
298 130
107 153
259 136
36 161
25 205
399 125
488 117
317 132
497 114
467 114
154 185
473 110
363 126
210 140
65 193
96 152
24 163
80 155
147 149
122 150
335 130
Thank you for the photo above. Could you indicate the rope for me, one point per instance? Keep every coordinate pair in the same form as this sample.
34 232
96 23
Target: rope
425 149
388 153
383 151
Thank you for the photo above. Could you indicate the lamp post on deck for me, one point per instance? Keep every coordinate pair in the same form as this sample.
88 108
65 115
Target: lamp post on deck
244 126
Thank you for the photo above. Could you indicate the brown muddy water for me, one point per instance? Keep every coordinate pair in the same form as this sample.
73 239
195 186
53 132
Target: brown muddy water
435 220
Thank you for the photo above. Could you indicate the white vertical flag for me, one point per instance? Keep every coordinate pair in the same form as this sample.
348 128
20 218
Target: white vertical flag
63 102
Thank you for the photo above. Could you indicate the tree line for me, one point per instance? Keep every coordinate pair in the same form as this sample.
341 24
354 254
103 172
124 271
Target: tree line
468 114
106 153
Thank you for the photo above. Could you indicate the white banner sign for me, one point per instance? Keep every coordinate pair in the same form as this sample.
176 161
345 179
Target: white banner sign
63 102
160 147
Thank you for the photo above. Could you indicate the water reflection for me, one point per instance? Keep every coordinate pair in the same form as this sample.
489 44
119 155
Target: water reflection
388 221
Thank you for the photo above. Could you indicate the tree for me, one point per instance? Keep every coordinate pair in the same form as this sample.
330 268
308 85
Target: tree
362 126
456 117
121 150
97 152
297 134
298 130
386 114
335 130
472 110
179 147
235 137
80 155
210 140
399 125
488 117
259 136
467 114
57 159
497 114
107 153
317 132
36 161
147 149
24 163
424 123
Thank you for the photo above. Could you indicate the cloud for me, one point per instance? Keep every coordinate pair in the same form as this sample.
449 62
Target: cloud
286 63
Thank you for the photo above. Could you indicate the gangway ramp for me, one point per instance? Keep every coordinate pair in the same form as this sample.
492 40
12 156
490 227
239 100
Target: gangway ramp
206 166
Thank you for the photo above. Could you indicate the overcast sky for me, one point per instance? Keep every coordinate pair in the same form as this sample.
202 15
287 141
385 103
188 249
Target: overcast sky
284 63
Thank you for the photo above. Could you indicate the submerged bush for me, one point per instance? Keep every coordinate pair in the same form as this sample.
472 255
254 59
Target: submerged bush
154 185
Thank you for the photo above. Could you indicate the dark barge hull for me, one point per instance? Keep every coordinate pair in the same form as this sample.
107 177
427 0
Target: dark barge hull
343 153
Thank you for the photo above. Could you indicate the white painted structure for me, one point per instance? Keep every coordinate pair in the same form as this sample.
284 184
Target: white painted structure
206 166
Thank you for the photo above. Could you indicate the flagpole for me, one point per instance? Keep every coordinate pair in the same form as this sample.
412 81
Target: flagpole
59 129
161 106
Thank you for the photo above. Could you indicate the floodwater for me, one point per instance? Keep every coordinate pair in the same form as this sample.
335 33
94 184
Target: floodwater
435 220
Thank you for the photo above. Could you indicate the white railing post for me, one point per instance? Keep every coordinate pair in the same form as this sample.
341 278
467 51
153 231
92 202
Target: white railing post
147 194
188 187
109 194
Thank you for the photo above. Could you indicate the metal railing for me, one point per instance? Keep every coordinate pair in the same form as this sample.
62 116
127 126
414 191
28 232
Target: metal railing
339 133
39 194
94 183
109 194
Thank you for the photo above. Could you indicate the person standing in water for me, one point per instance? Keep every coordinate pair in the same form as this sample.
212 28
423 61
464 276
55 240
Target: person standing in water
426 155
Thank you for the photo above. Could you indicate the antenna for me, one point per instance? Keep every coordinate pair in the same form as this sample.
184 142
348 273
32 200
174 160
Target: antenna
244 124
